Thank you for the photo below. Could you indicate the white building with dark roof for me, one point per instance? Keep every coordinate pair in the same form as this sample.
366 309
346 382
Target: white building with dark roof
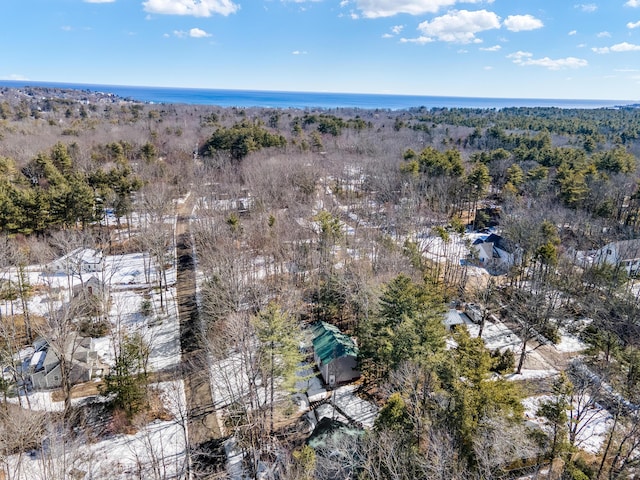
624 253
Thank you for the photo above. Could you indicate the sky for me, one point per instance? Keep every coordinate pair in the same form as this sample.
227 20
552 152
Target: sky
557 49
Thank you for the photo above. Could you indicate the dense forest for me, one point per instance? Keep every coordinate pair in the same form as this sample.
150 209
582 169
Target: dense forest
367 222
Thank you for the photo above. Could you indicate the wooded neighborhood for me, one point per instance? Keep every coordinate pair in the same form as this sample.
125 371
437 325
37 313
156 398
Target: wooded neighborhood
191 291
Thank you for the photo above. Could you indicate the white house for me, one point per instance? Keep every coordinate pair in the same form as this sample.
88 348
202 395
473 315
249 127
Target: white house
78 261
625 253
496 252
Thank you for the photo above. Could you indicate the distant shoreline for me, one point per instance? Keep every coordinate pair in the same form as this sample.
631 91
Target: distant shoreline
321 100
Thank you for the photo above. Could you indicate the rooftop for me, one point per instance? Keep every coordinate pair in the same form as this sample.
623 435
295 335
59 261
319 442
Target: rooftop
330 343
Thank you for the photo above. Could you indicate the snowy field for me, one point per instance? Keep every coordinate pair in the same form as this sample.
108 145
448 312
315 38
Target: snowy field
569 343
157 450
592 428
127 284
498 336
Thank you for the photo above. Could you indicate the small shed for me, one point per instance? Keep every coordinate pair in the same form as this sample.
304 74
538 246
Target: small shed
92 287
335 354
452 319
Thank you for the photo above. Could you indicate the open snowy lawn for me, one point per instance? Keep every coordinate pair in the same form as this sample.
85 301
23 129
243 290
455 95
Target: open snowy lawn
531 374
569 343
436 249
156 449
592 429
498 336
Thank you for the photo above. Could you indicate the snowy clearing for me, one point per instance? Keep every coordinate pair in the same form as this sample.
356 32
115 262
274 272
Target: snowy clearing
592 429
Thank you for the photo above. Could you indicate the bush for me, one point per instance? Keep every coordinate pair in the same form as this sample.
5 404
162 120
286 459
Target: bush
94 329
503 361
146 308
572 472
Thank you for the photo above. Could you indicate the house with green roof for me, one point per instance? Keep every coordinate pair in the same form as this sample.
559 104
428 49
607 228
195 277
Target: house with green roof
335 354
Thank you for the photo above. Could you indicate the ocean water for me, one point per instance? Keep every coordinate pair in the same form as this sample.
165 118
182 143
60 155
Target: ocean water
274 99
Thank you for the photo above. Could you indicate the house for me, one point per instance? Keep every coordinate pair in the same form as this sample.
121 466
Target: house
625 253
78 261
496 252
43 368
335 354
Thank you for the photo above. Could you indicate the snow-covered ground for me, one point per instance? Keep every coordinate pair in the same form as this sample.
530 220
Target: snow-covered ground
498 336
569 343
455 250
157 450
592 428
130 280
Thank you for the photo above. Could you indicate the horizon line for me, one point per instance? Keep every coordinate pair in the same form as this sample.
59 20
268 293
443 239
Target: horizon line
59 84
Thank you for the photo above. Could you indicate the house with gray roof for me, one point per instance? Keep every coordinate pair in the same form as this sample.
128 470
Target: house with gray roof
43 369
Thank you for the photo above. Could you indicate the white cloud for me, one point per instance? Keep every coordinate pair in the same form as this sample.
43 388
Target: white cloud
420 40
488 67
395 30
632 3
196 8
587 7
572 32
460 26
17 77
66 28
299 52
389 8
526 59
193 33
495 48
604 34
198 33
633 24
519 23
618 47
519 56
625 47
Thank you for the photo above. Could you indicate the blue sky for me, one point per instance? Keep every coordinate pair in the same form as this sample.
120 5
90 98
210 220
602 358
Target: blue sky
481 48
